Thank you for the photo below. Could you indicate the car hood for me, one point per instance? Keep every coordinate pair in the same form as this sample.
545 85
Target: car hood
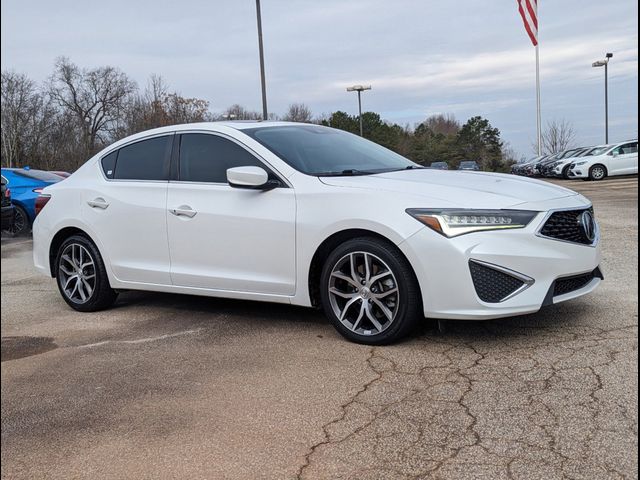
459 188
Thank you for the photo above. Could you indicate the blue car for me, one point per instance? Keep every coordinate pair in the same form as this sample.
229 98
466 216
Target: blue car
25 185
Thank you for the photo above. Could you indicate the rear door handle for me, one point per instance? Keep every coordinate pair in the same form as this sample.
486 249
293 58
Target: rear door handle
98 203
183 211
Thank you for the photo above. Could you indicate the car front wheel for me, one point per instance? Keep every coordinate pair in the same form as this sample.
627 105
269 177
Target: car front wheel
598 172
82 277
369 292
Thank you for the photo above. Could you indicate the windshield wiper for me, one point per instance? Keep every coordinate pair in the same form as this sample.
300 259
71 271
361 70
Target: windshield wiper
351 172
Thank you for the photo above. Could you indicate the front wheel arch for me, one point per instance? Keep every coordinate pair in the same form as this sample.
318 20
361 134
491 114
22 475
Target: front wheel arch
328 245
606 171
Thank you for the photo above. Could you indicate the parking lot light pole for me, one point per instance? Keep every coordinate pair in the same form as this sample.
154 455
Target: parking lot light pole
261 47
359 89
605 63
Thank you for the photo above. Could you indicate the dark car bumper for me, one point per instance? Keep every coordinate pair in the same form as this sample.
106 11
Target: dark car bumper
8 214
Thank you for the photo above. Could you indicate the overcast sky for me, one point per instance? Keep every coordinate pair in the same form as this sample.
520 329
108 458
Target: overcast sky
421 57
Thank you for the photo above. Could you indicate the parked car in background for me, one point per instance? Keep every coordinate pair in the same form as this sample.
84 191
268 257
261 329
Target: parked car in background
439 165
469 165
25 185
533 169
618 159
529 169
560 167
8 210
313 216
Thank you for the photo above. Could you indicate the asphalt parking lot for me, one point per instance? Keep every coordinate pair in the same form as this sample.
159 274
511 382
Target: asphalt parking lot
166 386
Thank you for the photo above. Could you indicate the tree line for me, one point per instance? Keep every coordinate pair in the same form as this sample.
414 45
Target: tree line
76 112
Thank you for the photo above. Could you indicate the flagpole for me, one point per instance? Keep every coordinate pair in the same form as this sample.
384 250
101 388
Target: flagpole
538 121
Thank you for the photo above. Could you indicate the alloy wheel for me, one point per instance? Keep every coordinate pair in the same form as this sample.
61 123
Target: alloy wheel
77 273
363 293
598 173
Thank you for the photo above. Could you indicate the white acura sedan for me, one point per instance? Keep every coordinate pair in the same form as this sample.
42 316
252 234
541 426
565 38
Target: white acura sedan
309 215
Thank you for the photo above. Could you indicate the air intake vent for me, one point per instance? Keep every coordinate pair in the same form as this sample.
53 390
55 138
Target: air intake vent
576 282
494 284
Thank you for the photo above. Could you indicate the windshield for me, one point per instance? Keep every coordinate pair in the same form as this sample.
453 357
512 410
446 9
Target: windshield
324 151
468 164
596 151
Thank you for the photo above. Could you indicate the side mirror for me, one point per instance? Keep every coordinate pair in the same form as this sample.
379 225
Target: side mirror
616 153
253 178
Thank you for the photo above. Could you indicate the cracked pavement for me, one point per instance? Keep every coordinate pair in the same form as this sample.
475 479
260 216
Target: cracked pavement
166 386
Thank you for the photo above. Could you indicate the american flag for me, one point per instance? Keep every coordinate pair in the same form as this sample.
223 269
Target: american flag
529 12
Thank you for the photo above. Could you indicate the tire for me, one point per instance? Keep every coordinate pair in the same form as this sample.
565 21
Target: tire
598 172
565 172
21 223
91 292
362 305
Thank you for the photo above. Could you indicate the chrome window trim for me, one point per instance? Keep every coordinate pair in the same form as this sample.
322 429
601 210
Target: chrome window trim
99 162
528 281
596 240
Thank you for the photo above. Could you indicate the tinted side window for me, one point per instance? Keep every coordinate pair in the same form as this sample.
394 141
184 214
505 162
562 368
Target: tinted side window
206 158
109 164
144 160
629 148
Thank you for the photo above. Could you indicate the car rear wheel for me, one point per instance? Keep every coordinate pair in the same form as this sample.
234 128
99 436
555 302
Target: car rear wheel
21 224
369 292
81 276
598 172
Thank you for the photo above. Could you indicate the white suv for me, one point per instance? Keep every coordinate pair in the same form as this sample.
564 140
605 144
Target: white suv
619 159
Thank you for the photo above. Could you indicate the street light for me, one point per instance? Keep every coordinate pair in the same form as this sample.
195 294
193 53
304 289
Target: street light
359 89
605 63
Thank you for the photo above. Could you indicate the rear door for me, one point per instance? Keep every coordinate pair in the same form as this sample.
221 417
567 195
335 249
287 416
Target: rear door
228 238
127 210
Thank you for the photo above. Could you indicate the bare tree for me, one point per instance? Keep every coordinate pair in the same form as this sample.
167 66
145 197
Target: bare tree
238 112
298 112
442 124
94 97
557 137
20 103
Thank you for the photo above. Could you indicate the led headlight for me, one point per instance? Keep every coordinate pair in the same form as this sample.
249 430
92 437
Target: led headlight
580 163
452 222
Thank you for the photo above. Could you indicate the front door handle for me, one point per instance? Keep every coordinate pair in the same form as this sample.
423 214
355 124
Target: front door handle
98 203
183 211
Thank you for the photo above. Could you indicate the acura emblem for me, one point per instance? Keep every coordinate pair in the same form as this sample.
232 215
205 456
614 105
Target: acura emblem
588 224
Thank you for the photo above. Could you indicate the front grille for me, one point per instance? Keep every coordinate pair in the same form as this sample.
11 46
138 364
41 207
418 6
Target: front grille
576 282
566 226
493 286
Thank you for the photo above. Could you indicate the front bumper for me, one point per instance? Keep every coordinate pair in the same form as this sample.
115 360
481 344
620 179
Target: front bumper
579 172
442 267
8 214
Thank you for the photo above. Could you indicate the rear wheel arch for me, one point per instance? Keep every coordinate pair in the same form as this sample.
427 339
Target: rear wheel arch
58 240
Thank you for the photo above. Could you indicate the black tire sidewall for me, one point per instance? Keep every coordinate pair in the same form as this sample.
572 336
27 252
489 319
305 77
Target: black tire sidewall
593 168
27 221
102 295
410 307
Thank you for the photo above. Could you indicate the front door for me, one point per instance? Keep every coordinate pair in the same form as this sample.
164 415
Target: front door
624 159
226 238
